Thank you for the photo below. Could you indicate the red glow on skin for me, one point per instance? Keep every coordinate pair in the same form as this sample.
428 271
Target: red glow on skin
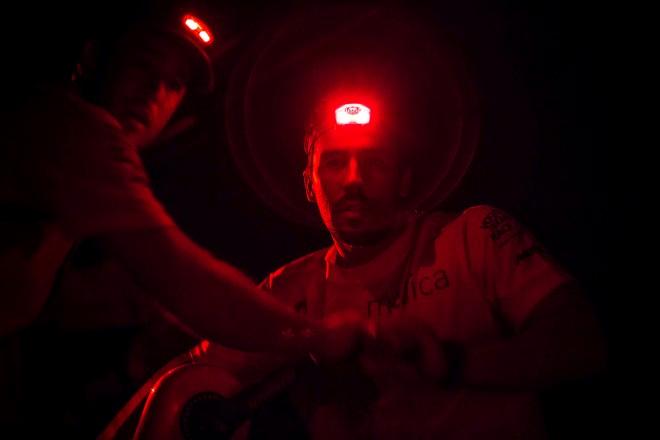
357 183
355 136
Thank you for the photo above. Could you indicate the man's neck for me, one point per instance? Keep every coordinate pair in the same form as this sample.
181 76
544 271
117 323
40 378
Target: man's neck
349 255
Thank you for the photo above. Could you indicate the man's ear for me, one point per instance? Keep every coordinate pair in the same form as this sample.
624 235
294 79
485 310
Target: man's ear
309 190
406 183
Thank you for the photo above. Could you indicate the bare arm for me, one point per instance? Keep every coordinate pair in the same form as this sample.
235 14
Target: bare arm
210 297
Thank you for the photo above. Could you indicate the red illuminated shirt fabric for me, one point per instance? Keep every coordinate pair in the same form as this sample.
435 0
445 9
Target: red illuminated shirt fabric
473 279
77 166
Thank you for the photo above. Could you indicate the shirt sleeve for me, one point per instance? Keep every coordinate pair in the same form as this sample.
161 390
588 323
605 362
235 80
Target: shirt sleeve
514 268
77 166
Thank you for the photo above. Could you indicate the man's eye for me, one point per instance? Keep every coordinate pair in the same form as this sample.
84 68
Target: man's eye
333 162
376 162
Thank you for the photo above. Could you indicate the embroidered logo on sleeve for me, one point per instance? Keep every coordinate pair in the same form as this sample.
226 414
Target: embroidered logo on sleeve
500 226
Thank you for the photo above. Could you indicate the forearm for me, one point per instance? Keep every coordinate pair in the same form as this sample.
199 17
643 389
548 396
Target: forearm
210 297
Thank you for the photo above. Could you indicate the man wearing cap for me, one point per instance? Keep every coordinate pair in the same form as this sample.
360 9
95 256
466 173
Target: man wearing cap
71 172
471 316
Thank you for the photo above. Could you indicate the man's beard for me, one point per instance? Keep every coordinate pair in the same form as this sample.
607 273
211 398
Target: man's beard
384 222
365 238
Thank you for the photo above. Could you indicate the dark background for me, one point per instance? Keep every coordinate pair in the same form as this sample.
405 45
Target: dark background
541 152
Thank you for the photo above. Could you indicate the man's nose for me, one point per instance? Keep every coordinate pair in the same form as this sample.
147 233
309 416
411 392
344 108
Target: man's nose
154 87
354 173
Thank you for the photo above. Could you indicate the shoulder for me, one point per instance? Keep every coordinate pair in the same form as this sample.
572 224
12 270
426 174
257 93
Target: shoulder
487 221
293 276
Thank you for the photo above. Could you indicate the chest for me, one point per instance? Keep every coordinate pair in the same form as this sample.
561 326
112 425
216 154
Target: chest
442 295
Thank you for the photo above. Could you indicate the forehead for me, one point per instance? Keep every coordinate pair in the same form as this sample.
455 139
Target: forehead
355 138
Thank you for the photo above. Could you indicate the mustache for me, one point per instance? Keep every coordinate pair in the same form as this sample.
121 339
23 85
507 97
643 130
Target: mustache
352 198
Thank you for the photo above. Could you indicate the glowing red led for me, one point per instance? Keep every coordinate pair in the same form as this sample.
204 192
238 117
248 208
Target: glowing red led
353 114
198 28
192 24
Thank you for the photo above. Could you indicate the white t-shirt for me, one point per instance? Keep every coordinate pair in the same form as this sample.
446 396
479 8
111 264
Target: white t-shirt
473 279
